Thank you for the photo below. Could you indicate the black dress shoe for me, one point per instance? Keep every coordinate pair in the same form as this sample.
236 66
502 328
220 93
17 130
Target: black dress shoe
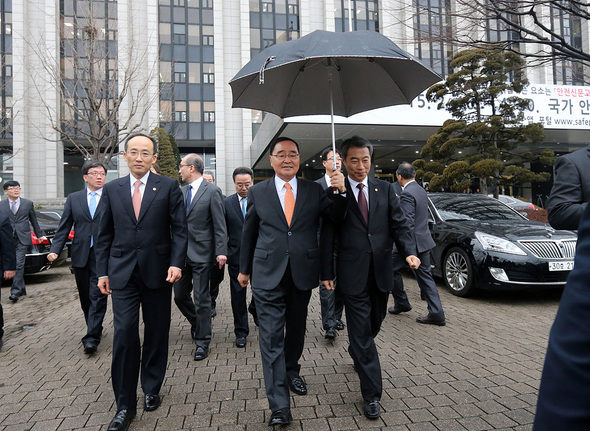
90 347
297 385
201 353
430 320
339 325
151 402
281 417
13 298
241 342
397 310
331 334
121 420
371 409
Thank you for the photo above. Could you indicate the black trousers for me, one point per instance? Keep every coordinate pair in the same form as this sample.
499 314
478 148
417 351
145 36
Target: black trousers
238 303
129 357
92 301
365 312
282 316
215 278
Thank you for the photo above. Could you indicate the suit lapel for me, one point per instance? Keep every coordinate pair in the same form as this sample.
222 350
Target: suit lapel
199 194
150 192
125 196
302 192
84 204
235 203
373 197
274 200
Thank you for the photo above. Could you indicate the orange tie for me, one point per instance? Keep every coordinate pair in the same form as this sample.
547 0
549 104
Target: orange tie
136 199
289 203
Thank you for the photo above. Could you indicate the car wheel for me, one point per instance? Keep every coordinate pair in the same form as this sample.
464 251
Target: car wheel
458 272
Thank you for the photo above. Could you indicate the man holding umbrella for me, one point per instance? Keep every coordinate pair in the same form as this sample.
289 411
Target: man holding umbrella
280 255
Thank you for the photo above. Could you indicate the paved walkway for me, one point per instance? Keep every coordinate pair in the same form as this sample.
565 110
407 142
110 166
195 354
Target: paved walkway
480 372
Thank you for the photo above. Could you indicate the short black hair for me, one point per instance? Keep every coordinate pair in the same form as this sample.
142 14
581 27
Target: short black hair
282 139
356 142
92 164
406 171
326 151
196 161
11 183
135 135
242 170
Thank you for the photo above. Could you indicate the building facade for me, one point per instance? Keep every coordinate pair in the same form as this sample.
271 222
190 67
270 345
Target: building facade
181 54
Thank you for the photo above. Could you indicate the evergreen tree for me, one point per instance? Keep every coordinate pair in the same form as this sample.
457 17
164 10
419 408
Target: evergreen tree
486 137
166 159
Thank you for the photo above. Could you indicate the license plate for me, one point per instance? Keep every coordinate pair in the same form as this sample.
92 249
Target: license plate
561 266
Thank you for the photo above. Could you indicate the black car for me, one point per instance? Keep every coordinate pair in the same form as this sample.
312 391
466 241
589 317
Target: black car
483 244
36 257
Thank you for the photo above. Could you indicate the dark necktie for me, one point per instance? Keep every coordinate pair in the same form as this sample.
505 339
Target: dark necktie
189 196
92 209
362 200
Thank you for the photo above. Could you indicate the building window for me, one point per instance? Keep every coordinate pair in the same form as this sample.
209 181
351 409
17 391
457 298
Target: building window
567 72
364 15
272 21
432 25
208 117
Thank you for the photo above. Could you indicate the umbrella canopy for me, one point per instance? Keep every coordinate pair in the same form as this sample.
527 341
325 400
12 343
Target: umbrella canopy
330 73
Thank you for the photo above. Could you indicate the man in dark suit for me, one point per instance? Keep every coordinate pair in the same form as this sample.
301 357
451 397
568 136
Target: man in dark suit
141 248
565 382
571 189
21 213
331 303
280 250
414 203
363 262
7 262
235 212
207 246
82 210
217 274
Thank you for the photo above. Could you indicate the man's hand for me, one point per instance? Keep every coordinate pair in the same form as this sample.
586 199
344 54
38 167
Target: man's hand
9 274
174 274
51 257
42 239
221 259
103 285
413 261
328 284
243 279
337 180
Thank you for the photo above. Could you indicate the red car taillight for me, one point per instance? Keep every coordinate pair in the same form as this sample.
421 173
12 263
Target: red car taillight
36 240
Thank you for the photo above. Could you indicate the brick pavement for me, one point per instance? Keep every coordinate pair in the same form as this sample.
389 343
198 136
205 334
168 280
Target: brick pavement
480 372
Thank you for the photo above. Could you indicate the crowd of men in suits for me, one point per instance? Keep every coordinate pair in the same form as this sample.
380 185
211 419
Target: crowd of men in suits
141 237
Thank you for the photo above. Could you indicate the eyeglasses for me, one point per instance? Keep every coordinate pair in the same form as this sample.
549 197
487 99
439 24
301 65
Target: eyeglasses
143 154
12 189
97 174
290 156
332 159
186 166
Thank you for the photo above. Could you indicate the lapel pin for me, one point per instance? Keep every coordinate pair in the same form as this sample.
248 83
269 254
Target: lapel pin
154 189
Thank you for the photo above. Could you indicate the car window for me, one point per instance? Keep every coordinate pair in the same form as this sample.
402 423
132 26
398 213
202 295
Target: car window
469 207
44 218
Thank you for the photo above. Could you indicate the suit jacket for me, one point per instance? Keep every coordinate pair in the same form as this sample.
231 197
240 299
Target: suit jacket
359 243
269 244
414 203
565 381
155 242
7 248
76 213
235 224
22 221
322 182
206 224
571 189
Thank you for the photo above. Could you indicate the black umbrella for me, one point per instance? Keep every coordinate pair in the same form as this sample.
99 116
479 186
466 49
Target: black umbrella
330 73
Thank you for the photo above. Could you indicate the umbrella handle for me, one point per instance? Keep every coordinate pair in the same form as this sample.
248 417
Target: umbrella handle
261 73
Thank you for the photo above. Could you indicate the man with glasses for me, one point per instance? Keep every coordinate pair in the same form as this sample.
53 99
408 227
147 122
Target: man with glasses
21 213
331 303
82 211
207 246
280 254
140 250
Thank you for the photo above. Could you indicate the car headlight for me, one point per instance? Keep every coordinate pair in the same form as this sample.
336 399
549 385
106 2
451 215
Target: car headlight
500 245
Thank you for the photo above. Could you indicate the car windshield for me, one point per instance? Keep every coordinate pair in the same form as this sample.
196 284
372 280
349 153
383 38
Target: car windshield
471 207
